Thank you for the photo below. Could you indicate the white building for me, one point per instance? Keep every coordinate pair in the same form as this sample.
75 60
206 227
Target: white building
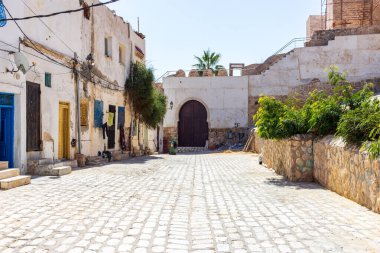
219 110
44 115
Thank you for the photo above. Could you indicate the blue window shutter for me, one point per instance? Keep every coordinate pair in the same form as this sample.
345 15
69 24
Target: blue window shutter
121 114
98 113
47 79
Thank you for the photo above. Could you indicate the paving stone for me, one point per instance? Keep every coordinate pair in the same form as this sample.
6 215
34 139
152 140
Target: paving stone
185 203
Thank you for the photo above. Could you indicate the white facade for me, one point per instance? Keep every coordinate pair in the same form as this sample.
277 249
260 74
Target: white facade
357 54
225 99
59 37
230 100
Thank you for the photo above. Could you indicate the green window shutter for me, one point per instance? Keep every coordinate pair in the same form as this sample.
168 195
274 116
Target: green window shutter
47 79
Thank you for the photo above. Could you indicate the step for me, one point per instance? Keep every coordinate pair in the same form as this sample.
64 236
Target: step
4 174
71 163
45 161
51 170
191 149
13 182
60 171
3 165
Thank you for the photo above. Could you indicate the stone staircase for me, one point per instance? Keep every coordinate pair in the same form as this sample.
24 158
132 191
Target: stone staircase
191 149
48 167
11 178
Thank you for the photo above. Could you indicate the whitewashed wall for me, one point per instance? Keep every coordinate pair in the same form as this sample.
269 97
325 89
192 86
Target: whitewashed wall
357 54
14 83
66 34
225 99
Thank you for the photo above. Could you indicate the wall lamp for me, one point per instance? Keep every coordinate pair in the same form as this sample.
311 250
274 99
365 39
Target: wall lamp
171 105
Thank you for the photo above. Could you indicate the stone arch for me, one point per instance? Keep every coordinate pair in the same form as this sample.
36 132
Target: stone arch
179 107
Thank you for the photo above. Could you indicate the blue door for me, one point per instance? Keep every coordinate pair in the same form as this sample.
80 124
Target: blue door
6 128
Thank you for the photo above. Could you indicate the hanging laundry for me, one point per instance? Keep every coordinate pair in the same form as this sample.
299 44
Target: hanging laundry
111 118
105 130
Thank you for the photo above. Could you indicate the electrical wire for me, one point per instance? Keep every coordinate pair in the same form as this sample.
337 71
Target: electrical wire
54 62
51 30
35 48
58 13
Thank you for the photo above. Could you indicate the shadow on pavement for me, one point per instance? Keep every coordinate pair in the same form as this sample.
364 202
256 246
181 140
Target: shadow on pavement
281 182
129 161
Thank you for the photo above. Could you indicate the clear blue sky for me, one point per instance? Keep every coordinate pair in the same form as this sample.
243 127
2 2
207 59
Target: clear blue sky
243 31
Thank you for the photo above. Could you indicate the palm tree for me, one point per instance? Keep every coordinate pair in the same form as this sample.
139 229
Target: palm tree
208 61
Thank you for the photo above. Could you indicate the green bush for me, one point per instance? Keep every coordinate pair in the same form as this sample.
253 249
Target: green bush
354 116
360 124
324 115
268 118
294 121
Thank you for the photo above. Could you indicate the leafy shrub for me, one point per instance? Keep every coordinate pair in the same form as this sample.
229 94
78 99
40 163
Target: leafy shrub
324 116
268 118
360 124
294 121
373 147
354 116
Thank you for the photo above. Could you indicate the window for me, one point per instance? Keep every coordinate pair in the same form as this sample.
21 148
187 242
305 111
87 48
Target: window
108 46
98 113
84 112
121 116
122 54
47 79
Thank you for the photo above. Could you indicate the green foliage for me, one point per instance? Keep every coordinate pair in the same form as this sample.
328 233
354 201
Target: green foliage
268 118
209 60
158 109
354 116
293 121
360 124
148 104
373 146
324 113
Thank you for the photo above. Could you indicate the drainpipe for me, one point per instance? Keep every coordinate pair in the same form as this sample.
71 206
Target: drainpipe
76 77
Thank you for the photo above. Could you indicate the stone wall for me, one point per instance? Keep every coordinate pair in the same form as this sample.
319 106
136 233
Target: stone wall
347 171
291 158
341 168
227 136
322 37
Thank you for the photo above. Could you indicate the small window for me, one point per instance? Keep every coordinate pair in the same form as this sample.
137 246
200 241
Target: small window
48 79
108 46
122 54
84 112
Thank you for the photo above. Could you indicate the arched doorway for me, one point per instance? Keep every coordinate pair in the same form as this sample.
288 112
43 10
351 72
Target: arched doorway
192 125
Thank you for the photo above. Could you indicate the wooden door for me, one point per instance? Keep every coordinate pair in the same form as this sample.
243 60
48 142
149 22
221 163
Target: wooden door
33 117
192 125
64 131
111 126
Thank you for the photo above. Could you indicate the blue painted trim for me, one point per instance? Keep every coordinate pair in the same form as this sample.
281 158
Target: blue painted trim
11 107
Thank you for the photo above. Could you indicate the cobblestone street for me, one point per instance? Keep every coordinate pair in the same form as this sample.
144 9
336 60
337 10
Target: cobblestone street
184 203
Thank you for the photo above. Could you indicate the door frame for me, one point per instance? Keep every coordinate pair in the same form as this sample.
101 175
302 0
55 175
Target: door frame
67 151
12 109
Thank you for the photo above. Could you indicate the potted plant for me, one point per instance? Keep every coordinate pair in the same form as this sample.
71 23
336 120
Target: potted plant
173 147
